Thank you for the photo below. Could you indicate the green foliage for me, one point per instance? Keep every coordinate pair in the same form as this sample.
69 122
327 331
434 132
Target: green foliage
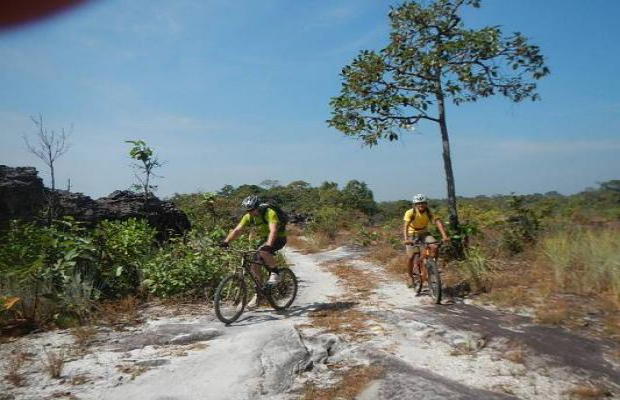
122 248
431 56
39 264
521 226
330 220
58 271
476 268
189 266
145 167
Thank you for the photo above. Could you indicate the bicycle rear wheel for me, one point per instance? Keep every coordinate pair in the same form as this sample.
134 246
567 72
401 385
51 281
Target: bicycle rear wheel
230 298
282 295
434 280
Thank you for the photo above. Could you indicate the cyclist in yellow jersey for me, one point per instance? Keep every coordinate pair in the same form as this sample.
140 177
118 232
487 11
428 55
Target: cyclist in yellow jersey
415 228
265 219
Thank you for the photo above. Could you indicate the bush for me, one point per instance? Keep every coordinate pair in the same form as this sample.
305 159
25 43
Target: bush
330 220
188 266
122 248
521 226
38 264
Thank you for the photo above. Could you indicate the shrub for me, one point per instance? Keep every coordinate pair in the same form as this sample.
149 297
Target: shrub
330 220
122 247
521 226
187 267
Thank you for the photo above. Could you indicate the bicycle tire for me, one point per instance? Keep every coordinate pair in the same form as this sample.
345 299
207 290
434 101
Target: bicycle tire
418 283
282 295
434 280
230 298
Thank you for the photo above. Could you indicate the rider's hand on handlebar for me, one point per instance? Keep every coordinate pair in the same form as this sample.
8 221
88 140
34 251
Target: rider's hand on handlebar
266 248
408 242
223 244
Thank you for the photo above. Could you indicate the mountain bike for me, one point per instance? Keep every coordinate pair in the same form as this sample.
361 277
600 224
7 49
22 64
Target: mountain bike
232 294
428 271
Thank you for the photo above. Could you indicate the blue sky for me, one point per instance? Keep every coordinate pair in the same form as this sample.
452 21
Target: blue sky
237 92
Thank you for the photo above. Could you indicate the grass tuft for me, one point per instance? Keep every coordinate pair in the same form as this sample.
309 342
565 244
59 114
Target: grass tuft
54 362
353 383
14 366
584 261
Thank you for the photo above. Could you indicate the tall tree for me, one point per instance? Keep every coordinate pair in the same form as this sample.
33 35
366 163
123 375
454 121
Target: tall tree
432 59
49 147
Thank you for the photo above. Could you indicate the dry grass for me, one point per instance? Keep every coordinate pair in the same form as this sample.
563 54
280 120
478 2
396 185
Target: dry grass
554 313
341 318
53 362
469 347
354 381
79 379
588 391
357 281
514 352
120 312
61 395
132 370
14 365
584 261
83 337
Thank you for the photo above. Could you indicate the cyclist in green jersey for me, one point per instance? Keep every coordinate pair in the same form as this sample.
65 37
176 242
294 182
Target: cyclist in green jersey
265 220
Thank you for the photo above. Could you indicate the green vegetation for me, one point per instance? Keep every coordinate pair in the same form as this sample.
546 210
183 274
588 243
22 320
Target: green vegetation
517 247
144 168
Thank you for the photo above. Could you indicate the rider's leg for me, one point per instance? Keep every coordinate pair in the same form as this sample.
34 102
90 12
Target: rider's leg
409 264
257 299
269 259
432 250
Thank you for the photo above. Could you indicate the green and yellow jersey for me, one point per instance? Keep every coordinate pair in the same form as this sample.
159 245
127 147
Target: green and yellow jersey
261 222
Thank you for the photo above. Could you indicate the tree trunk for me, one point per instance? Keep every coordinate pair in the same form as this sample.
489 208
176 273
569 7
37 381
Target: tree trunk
447 163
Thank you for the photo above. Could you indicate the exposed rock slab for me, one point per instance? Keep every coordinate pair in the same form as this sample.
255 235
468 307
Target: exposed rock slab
176 334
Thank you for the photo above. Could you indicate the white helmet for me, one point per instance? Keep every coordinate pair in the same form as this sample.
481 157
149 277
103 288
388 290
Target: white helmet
250 203
419 198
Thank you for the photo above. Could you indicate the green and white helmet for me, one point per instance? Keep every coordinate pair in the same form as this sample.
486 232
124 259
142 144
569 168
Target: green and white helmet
419 198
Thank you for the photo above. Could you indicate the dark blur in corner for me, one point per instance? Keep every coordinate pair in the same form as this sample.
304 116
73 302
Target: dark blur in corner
15 14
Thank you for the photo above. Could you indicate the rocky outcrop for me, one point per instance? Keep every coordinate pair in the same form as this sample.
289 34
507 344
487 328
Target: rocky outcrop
162 215
23 196
22 193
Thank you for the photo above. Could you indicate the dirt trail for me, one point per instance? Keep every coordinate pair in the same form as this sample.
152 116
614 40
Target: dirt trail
418 350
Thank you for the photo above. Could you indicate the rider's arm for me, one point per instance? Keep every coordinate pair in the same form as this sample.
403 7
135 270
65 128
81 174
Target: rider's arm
406 230
273 233
234 233
439 225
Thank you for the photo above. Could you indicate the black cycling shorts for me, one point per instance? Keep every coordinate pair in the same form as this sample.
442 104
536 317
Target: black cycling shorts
280 242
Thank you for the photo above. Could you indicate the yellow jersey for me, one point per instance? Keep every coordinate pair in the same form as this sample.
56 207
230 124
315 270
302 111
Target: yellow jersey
418 221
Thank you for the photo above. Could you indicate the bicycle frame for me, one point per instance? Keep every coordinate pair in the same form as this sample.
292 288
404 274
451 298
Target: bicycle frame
249 258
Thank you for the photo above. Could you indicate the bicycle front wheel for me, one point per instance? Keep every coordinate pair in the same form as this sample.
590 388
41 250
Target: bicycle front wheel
417 278
230 298
282 295
434 280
